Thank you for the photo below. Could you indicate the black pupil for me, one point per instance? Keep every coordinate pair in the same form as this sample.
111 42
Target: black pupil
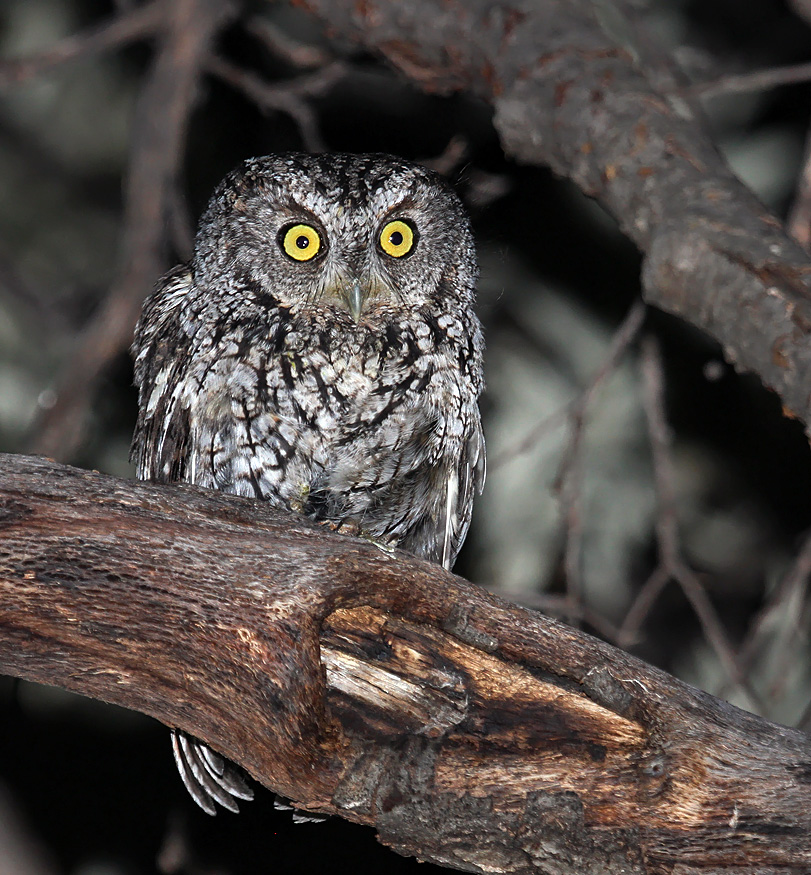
396 238
302 242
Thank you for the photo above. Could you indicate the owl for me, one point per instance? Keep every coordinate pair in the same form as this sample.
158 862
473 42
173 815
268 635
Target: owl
320 352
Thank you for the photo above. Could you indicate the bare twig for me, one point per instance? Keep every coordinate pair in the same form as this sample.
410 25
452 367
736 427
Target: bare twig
570 497
642 605
25 299
575 410
159 130
454 153
288 97
538 432
670 558
126 27
757 80
791 588
568 482
623 337
568 485
284 47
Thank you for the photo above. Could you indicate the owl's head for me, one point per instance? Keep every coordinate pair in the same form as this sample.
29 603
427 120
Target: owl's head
360 236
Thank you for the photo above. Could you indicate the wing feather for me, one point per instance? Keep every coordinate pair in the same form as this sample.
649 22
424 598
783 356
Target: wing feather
463 483
160 444
162 451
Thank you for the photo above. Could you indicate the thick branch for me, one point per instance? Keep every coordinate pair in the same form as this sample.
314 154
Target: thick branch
380 688
581 87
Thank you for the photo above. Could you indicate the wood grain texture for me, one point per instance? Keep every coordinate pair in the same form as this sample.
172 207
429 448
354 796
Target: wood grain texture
380 688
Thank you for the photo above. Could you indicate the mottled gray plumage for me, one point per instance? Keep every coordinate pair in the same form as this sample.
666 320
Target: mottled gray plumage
343 386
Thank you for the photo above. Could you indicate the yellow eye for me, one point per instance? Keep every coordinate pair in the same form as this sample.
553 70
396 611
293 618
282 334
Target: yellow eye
397 238
301 242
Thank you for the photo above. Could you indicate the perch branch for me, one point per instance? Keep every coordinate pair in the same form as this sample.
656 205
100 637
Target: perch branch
380 688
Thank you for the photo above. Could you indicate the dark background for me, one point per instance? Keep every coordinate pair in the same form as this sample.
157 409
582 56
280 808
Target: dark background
87 788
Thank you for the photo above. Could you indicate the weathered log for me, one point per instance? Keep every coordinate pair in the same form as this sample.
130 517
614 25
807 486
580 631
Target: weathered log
380 688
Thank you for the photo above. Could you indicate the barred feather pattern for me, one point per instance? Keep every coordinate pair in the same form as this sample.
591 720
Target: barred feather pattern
257 377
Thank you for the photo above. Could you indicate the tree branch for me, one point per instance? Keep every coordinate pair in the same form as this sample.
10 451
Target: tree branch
378 687
583 88
130 25
162 116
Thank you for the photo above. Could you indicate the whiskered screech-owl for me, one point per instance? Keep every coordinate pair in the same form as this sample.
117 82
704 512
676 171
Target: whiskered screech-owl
321 352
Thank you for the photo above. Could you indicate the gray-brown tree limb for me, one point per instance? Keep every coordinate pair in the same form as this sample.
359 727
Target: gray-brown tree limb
466 730
582 87
161 118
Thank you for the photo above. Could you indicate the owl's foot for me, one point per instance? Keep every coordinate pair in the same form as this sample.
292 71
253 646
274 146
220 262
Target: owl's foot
208 777
388 549
345 528
282 804
353 528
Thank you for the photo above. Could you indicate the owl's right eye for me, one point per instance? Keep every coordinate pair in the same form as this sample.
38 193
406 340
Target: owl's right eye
300 242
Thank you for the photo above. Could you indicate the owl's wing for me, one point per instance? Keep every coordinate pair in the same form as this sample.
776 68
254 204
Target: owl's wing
160 451
161 347
462 484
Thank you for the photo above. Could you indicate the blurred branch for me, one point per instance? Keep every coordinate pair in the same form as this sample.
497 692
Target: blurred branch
25 300
568 485
756 80
779 618
802 8
287 97
159 130
128 26
671 563
589 92
284 47
575 411
380 688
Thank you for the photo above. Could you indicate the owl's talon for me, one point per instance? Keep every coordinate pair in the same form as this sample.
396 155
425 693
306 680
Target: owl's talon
352 528
208 777
388 549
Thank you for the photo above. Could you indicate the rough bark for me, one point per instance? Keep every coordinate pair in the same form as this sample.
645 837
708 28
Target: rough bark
466 730
580 86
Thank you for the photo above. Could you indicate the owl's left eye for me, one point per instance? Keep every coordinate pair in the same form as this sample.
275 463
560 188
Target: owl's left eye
397 238
301 242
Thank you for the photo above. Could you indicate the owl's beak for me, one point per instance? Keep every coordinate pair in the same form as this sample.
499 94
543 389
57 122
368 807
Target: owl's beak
355 299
